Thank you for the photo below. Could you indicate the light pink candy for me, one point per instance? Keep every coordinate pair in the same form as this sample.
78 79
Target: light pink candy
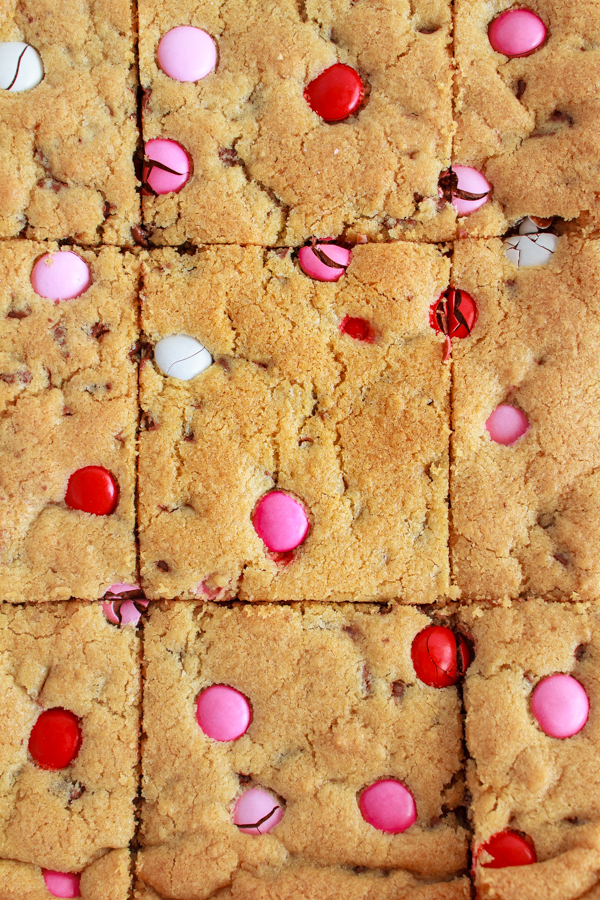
316 269
388 806
223 713
507 424
61 884
475 183
60 276
253 806
170 154
128 612
280 521
561 706
186 53
517 32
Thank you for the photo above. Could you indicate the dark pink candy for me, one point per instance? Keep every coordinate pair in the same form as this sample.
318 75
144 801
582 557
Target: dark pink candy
388 806
223 713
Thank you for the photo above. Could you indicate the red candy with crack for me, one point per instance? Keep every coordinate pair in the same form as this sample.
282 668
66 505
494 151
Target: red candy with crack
336 93
440 656
55 739
507 848
454 313
92 490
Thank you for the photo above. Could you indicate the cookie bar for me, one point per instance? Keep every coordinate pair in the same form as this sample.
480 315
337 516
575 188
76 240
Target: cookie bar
532 698
525 489
67 143
324 416
322 702
528 110
68 395
108 878
70 691
244 95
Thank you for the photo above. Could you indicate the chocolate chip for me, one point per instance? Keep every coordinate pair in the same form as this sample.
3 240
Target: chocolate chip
77 791
229 157
147 423
562 559
521 86
19 313
558 116
59 333
163 566
398 690
99 330
245 779
109 209
140 352
188 435
580 652
140 236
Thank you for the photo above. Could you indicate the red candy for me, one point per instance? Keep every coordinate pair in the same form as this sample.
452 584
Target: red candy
92 490
440 656
507 848
55 739
336 93
454 313
359 329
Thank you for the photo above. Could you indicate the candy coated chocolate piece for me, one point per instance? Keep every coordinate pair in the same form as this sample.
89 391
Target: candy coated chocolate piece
507 848
127 611
472 182
186 53
223 713
55 739
166 167
61 884
20 67
324 262
517 32
60 276
280 521
257 811
388 806
507 424
356 328
440 656
181 356
454 313
92 490
561 706
336 93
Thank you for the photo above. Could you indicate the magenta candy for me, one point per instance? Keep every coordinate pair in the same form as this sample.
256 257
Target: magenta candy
186 53
61 884
560 705
473 182
517 32
257 811
388 806
166 167
223 713
60 276
507 424
280 521
330 266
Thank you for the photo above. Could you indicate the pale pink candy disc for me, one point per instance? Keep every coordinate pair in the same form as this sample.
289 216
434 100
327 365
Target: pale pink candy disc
280 521
223 713
61 884
388 806
257 811
166 167
186 53
60 276
319 270
473 182
507 424
128 611
561 706
517 32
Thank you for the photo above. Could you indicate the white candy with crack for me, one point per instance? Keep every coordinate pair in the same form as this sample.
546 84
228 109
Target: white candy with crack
530 247
20 67
181 356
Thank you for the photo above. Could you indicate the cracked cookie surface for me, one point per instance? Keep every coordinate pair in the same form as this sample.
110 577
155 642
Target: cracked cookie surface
355 430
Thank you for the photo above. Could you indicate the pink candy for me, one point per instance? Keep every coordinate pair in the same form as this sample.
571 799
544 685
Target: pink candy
60 276
517 32
280 521
61 884
507 424
186 53
166 167
561 706
388 806
473 182
124 612
223 713
257 811
324 262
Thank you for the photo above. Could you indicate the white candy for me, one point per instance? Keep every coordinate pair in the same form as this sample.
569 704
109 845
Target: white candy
531 247
181 356
20 67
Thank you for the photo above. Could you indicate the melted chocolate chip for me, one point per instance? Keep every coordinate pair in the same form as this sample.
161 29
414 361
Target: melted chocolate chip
19 313
580 652
521 87
558 116
163 566
140 352
147 423
140 236
99 330
229 157
398 690
77 791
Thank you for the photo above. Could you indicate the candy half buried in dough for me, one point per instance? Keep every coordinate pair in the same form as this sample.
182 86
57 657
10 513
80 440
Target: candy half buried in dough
181 356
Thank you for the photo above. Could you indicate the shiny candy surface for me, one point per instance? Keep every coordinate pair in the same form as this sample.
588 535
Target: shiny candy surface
560 705
440 656
280 521
61 884
92 490
472 182
181 356
257 812
324 262
186 53
166 167
125 611
223 713
336 93
533 246
21 67
60 276
55 739
507 424
388 806
507 848
358 329
454 313
517 32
